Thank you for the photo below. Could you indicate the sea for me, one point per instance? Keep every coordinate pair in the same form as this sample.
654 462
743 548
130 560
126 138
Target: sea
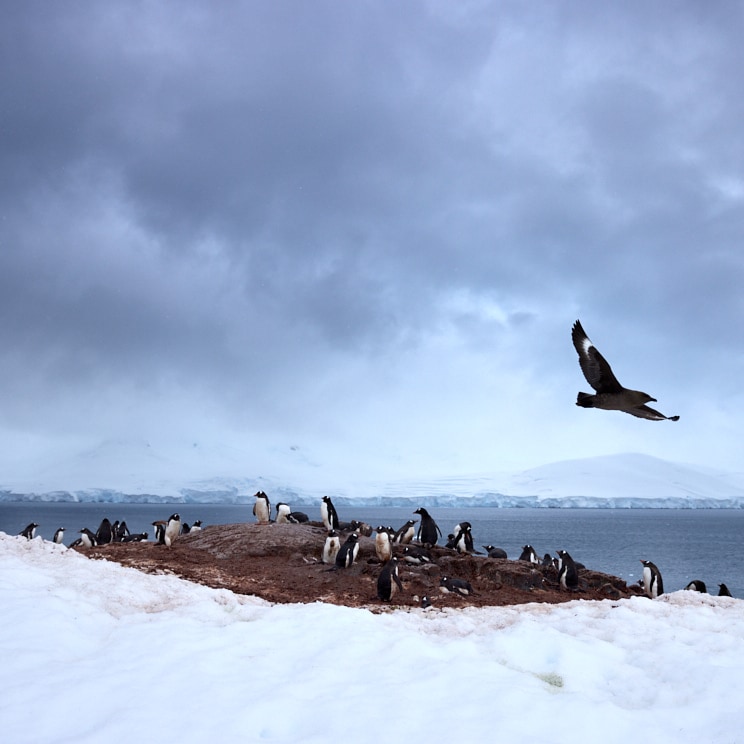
685 544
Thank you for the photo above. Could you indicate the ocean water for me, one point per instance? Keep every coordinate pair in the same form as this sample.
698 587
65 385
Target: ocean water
685 544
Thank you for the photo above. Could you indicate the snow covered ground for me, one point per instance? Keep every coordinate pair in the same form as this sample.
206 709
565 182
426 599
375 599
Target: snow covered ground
92 650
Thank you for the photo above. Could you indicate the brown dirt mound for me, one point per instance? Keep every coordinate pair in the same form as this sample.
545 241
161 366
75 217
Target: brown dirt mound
281 563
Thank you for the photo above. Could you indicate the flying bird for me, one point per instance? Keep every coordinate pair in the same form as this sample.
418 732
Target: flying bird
611 395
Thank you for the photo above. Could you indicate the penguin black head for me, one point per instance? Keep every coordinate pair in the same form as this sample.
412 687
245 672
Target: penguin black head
174 518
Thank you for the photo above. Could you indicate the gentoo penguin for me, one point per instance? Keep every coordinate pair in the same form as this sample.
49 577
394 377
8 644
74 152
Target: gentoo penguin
121 532
59 535
383 546
428 529
282 513
455 586
348 552
185 528
494 552
548 560
528 554
262 508
87 538
697 586
610 394
137 537
652 583
388 581
405 534
568 576
425 602
331 547
464 541
29 531
723 591
363 528
172 530
298 517
104 534
416 556
328 514
196 527
159 526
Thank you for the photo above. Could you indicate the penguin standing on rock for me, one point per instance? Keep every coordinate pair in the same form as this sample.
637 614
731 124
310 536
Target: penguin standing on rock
388 581
652 583
568 576
723 591
348 552
59 536
528 554
428 529
405 534
262 508
328 514
87 538
104 534
282 513
159 526
449 585
172 530
331 547
196 527
29 531
383 546
464 540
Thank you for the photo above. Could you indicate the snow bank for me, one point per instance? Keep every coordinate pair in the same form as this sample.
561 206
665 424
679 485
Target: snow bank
92 649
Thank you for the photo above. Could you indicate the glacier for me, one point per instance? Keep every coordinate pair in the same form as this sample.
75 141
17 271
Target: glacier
619 481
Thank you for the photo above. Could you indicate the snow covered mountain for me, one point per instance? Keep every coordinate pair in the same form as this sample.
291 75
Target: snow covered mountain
140 472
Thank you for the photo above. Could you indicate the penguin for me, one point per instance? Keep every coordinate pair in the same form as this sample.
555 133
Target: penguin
460 527
528 554
425 602
723 591
348 552
115 531
328 514
494 552
298 517
159 526
416 556
548 561
104 534
185 528
137 537
455 586
87 538
428 529
331 547
262 508
697 586
405 534
383 546
568 576
121 532
464 541
652 583
172 530
29 531
362 528
388 581
58 536
196 527
282 513
451 541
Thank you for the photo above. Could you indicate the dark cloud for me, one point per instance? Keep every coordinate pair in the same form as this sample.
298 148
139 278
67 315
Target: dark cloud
276 211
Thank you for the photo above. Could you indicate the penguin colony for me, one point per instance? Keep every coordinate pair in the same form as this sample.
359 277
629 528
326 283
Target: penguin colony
408 546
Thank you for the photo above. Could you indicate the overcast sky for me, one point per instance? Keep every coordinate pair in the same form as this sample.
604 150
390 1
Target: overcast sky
365 229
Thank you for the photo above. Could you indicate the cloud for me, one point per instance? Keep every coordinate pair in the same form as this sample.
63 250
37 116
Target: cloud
323 219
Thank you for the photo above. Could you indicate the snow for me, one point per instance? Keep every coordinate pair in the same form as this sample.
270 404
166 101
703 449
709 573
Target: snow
92 649
615 481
